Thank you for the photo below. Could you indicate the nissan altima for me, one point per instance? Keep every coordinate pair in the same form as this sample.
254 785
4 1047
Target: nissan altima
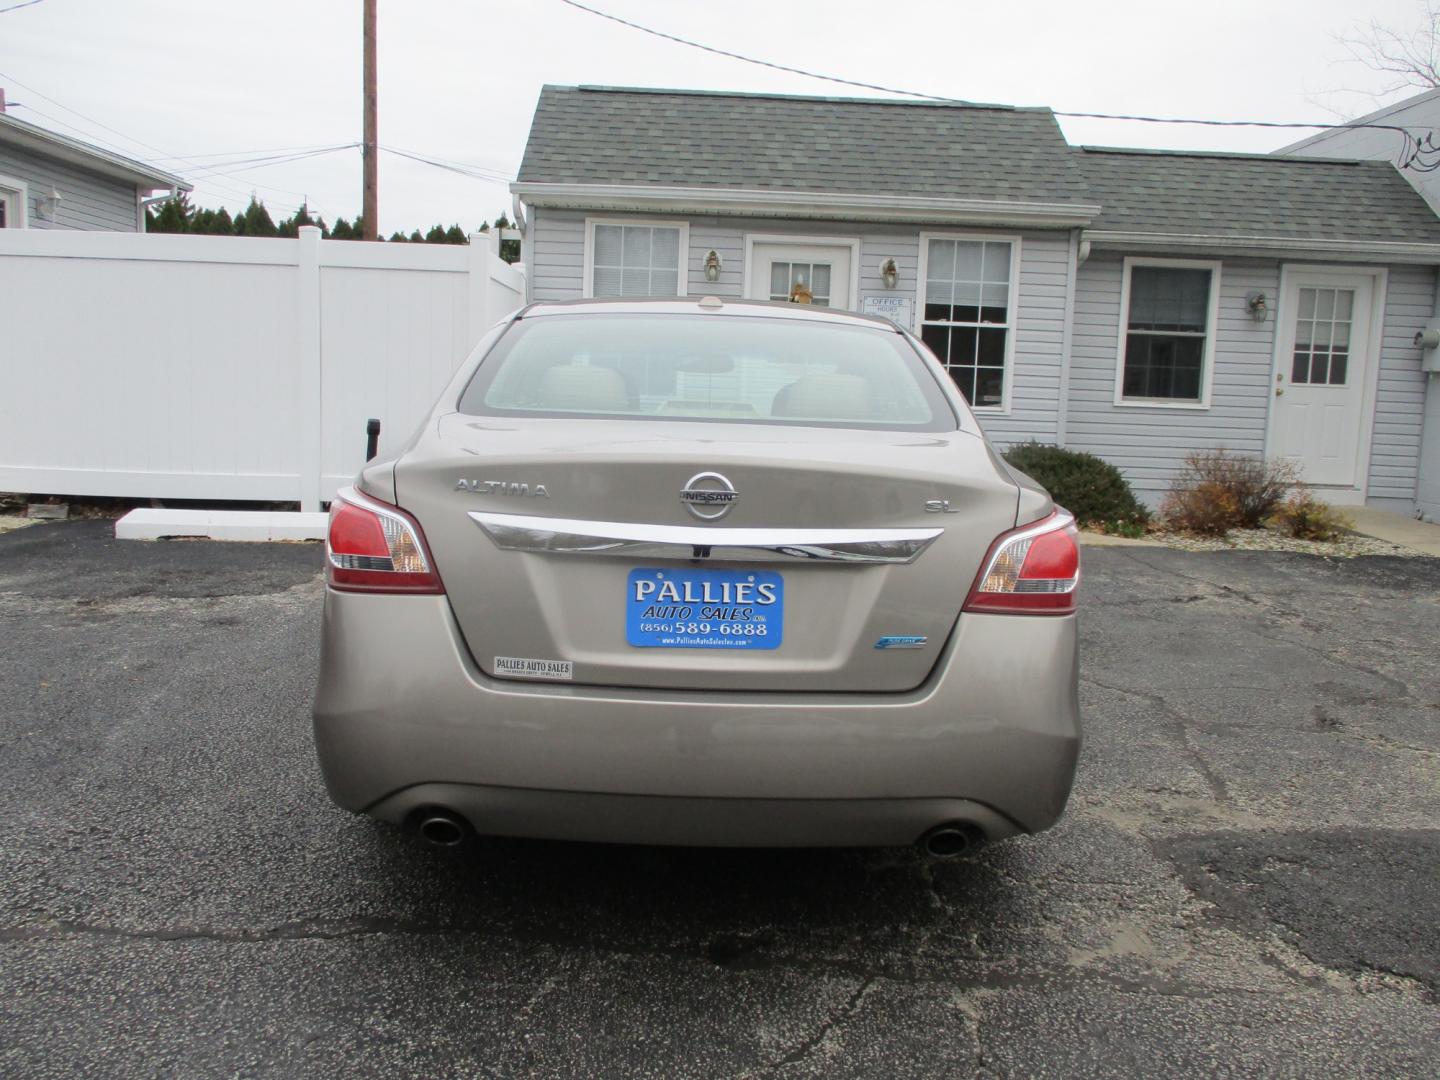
700 572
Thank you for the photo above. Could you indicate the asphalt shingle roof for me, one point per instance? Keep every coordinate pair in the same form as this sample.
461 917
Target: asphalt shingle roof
607 135
1254 195
776 142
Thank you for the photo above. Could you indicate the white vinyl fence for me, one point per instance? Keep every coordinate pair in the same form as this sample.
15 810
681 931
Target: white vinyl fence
200 367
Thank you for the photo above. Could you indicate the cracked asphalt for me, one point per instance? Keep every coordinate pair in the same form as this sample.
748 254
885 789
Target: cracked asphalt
1247 881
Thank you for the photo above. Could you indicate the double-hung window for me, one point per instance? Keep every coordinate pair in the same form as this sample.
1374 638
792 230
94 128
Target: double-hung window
635 259
968 311
1167 332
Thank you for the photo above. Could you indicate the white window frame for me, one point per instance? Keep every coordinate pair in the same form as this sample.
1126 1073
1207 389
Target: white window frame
1207 352
1012 309
16 196
588 269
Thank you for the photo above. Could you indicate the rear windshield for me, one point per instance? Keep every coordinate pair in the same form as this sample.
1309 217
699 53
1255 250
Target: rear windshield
708 367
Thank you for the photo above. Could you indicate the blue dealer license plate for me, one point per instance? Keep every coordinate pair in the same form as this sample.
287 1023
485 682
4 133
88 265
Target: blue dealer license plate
704 609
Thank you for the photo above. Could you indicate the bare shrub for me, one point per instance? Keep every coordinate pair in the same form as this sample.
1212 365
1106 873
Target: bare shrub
1307 518
1205 507
1251 488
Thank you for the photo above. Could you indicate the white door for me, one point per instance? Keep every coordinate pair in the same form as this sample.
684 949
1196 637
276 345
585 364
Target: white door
801 272
1322 371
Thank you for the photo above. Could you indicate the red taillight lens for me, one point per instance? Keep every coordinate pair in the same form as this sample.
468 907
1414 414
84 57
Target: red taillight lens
376 547
1032 570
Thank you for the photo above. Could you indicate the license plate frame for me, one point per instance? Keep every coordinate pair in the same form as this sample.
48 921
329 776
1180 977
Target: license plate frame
693 608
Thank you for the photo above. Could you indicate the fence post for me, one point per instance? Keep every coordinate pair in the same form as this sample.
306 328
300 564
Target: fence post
311 379
479 288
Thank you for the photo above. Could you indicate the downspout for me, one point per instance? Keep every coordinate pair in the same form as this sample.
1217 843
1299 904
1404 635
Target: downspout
1078 251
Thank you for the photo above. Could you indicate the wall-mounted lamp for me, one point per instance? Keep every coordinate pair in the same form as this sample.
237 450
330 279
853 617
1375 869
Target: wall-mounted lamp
889 273
712 265
46 205
1258 306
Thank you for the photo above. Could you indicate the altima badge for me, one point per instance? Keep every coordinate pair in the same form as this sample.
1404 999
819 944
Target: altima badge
502 487
708 495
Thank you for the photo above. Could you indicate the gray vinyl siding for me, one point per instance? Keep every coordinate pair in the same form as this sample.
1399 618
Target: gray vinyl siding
559 259
88 201
1150 443
1400 393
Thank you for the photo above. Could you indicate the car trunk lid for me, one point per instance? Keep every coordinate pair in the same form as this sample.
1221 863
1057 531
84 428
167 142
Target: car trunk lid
566 541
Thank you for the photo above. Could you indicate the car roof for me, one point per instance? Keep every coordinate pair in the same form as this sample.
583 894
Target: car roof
706 305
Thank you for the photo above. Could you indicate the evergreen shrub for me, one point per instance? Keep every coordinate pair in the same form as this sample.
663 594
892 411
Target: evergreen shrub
1090 488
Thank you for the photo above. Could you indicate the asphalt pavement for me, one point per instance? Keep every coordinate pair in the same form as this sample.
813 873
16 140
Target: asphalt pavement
1245 884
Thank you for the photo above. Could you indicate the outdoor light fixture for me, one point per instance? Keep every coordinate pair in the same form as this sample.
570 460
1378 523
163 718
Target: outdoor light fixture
1257 306
46 205
889 273
712 266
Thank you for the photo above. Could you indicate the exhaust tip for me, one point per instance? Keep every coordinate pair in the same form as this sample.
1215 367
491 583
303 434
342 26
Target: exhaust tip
442 828
951 840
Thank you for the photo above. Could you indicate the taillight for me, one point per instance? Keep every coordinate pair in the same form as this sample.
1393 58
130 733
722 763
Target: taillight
1032 570
376 547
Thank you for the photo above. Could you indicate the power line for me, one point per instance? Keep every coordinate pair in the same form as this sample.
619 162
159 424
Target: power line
234 192
248 165
1420 153
17 7
751 59
239 153
474 174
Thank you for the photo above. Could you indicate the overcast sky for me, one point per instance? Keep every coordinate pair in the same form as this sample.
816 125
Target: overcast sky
191 83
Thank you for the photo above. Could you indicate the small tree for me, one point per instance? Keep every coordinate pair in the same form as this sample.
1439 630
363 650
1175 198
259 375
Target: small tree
509 249
173 216
255 220
292 225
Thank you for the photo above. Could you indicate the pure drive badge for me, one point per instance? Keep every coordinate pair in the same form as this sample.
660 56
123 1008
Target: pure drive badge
902 641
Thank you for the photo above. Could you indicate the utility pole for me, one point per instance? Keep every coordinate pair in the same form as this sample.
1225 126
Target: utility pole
370 210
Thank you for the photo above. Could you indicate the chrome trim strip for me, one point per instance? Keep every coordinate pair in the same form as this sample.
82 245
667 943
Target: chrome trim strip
567 536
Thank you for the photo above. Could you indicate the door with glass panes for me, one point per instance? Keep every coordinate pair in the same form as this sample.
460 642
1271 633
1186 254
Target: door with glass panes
1321 375
801 273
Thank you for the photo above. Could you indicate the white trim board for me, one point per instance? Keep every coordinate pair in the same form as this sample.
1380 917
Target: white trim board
1357 250
242 525
804 204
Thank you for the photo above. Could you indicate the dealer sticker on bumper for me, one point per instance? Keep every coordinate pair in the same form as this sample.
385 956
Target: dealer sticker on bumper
524 667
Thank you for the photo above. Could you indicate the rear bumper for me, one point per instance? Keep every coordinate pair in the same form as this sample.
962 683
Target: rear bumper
404 718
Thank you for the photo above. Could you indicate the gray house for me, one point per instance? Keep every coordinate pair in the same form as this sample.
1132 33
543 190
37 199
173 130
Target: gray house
1135 304
49 181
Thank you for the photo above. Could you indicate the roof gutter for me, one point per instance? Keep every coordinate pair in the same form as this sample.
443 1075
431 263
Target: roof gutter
1339 250
92 159
752 202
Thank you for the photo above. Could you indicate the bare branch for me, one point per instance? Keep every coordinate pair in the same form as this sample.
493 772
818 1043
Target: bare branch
1411 57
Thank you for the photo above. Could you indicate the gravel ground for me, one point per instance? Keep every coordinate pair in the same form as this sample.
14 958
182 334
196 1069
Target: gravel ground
1346 547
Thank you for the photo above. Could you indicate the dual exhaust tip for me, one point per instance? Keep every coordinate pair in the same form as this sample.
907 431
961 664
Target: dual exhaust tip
443 828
